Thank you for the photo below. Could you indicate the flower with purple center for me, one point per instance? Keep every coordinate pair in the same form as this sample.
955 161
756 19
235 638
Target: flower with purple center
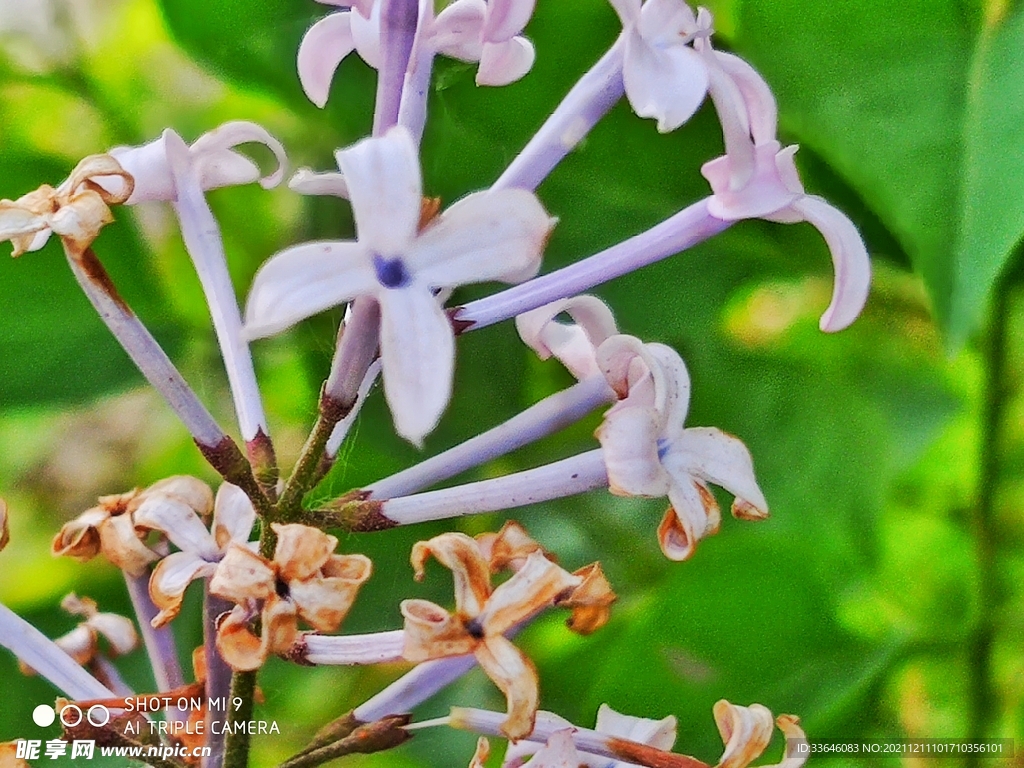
491 235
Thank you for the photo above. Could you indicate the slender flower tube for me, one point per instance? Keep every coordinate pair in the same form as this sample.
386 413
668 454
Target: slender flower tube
485 236
413 688
693 225
341 429
398 26
567 477
36 650
159 641
347 650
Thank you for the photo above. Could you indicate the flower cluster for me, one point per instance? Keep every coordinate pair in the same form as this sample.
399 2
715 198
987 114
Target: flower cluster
274 582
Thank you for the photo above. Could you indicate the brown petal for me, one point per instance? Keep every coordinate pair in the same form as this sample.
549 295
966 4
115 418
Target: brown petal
169 580
185 488
199 663
745 731
79 221
509 547
325 601
80 643
533 588
99 165
790 727
5 535
516 676
462 556
590 602
301 550
280 625
237 645
121 545
243 575
483 751
79 538
433 633
9 756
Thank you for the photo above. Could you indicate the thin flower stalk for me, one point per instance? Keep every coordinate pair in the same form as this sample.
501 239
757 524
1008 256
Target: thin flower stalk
679 232
545 417
348 650
413 688
588 101
159 641
568 477
217 677
34 649
413 111
398 25
489 723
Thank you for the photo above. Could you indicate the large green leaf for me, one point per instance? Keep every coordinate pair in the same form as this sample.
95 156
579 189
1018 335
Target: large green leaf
919 106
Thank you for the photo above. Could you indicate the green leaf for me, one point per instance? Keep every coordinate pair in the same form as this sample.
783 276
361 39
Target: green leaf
918 105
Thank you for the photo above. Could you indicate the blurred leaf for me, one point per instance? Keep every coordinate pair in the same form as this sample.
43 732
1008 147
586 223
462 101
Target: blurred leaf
919 105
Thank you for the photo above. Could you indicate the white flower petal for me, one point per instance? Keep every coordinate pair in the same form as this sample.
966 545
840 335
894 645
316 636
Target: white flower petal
660 734
301 281
504 63
366 34
573 345
559 752
667 84
321 51
457 30
171 578
629 438
118 631
735 121
762 112
666 23
417 349
765 192
148 166
383 177
849 258
506 19
306 181
16 221
179 523
220 166
485 236
233 516
719 458
628 11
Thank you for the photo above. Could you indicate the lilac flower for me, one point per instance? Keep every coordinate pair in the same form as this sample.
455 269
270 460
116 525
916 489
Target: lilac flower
467 30
664 77
485 236
757 178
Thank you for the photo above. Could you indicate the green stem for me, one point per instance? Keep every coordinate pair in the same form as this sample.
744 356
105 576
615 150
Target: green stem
982 696
306 470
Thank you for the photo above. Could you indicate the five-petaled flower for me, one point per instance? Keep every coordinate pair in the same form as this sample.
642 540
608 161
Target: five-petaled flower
483 615
75 211
488 32
110 527
485 236
201 549
304 580
664 77
648 452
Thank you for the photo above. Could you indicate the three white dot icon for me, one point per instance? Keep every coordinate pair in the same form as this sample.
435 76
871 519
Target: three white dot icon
70 716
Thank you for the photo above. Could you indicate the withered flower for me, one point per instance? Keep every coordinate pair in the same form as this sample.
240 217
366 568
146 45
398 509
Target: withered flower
201 549
304 580
747 731
75 211
9 756
483 615
110 526
83 642
5 535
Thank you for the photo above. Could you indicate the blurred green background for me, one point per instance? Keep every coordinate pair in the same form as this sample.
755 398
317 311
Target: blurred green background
882 599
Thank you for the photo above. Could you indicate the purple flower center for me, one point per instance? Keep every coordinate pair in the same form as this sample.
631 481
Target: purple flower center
663 446
391 273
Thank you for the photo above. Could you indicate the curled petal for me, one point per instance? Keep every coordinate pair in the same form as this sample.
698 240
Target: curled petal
505 62
178 522
121 545
480 755
573 345
417 350
17 223
516 677
322 49
238 646
383 177
325 601
665 83
79 223
671 384
233 516
660 734
458 28
220 166
849 258
485 236
693 515
186 489
509 547
170 578
767 191
590 602
366 34
719 458
80 644
433 633
80 538
507 18
518 754
118 631
303 280
795 737
5 534
470 570
745 732
242 576
629 439
762 112
279 624
532 588
301 550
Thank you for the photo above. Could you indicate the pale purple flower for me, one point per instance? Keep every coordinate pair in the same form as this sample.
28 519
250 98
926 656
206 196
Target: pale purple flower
485 236
757 178
647 451
664 77
467 30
